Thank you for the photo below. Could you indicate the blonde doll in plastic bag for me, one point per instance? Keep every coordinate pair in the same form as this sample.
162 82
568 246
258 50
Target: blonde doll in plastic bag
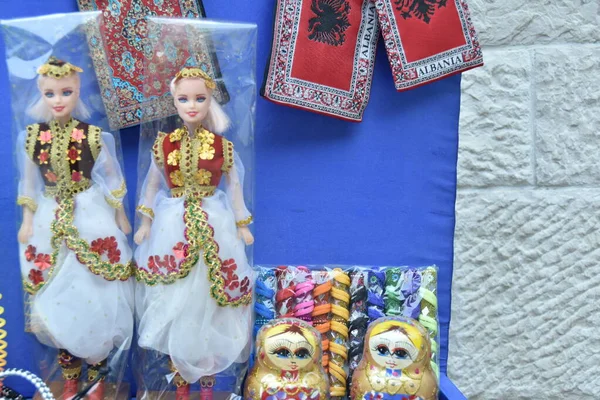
74 254
194 306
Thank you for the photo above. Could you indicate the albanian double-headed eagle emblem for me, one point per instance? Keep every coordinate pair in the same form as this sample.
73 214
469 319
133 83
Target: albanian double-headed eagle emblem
330 21
421 9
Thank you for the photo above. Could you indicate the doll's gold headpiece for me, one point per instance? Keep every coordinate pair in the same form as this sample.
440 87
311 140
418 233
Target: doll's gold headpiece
195 72
57 69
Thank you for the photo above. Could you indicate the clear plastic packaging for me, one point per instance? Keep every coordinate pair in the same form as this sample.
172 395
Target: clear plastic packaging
75 256
193 227
396 362
344 301
288 363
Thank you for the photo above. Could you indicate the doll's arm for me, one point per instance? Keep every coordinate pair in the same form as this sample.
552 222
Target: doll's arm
150 189
30 187
235 191
107 173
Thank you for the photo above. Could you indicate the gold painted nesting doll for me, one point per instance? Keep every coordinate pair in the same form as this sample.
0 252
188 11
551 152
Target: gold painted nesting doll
395 363
288 363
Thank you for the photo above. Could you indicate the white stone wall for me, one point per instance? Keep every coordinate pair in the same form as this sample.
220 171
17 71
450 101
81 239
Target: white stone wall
526 291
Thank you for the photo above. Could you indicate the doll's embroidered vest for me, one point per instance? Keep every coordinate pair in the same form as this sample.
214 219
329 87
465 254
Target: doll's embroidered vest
193 164
65 156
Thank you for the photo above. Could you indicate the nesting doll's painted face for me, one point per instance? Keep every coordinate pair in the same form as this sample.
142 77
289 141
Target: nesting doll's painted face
192 100
393 348
289 350
60 95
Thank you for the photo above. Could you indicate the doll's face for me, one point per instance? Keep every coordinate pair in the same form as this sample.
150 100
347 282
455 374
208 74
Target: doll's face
60 95
289 351
192 100
392 349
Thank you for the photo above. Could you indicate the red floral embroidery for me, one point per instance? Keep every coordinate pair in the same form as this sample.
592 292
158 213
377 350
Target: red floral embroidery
77 135
76 176
35 276
110 243
42 261
180 250
167 261
114 255
73 155
152 265
107 245
51 176
245 284
228 268
45 137
30 253
44 157
97 246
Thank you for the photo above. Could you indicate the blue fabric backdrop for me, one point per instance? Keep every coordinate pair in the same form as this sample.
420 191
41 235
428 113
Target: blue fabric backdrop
381 192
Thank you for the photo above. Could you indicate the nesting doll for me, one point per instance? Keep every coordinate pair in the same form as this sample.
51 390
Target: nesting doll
288 363
395 363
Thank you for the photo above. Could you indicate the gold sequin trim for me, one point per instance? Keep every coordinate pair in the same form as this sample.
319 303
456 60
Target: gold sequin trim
113 203
27 202
32 135
203 176
94 133
174 157
207 152
69 189
244 222
176 135
195 72
177 178
193 191
71 373
227 156
200 237
157 149
205 136
146 211
121 191
57 68
63 230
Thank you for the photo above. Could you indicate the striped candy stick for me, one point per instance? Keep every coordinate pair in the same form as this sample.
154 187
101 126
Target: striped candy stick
304 303
359 320
338 346
375 294
284 297
320 314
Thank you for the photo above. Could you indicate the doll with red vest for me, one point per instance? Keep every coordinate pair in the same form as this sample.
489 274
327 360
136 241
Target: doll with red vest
194 305
74 255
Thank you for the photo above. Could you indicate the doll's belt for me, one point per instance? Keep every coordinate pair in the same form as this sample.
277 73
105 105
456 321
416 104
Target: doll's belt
193 191
67 190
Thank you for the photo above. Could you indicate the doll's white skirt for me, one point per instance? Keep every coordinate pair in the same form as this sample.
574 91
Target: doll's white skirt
181 319
77 310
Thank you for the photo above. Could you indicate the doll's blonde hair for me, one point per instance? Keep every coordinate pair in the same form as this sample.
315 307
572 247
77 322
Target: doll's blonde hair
39 111
216 120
